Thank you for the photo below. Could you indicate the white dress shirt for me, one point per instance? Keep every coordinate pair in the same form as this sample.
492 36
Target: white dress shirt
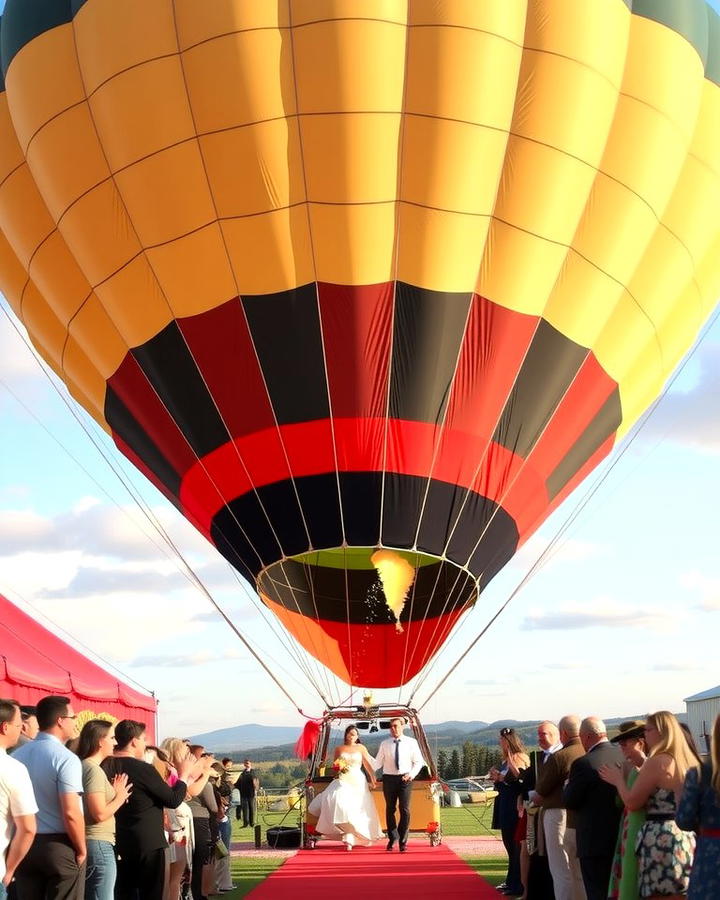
411 760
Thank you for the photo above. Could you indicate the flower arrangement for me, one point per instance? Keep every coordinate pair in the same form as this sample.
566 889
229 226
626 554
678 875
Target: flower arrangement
340 767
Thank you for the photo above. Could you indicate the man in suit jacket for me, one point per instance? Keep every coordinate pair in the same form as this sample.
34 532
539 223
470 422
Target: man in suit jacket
558 827
400 759
597 814
534 868
248 784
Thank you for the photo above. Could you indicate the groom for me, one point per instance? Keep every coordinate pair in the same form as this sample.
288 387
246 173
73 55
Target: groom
399 758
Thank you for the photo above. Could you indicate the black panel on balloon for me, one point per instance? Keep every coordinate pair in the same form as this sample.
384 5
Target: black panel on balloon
124 424
355 595
244 525
402 502
428 330
320 504
361 494
171 369
261 527
602 427
551 363
285 330
485 534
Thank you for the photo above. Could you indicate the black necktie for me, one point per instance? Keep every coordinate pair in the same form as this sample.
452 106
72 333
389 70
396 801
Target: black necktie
397 754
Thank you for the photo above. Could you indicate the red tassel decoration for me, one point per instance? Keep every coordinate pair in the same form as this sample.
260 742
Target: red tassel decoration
308 739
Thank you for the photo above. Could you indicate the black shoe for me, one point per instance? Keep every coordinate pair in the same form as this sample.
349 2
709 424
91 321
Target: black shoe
390 845
501 886
403 848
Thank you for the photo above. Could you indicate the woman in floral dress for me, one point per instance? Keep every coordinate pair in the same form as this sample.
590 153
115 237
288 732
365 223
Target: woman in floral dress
665 853
699 811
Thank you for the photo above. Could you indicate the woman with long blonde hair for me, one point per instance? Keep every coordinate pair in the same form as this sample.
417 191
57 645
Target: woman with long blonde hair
665 853
699 811
509 788
180 821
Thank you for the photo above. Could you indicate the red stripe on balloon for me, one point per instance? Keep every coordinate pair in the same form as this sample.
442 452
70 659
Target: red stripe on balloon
220 474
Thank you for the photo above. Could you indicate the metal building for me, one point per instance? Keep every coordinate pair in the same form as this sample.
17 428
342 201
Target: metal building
702 709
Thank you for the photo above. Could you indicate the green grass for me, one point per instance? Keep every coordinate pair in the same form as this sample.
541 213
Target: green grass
467 820
492 868
471 819
248 871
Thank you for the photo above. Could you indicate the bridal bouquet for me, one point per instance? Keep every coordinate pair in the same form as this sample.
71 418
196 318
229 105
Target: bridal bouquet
340 767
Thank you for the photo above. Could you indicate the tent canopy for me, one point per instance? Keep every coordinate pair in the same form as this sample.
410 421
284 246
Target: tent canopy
35 662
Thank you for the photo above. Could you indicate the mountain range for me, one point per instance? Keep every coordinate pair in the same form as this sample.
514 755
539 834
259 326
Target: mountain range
252 738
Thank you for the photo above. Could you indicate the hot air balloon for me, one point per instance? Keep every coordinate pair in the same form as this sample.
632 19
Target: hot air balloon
365 287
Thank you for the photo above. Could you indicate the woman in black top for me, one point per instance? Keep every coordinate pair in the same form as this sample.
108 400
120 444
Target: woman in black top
140 836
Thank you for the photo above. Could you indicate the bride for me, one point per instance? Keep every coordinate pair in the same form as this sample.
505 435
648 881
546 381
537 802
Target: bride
346 809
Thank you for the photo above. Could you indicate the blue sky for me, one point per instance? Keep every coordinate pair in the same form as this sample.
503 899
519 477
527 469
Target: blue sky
622 619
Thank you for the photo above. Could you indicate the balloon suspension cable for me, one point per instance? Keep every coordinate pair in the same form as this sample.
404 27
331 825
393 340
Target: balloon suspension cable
185 567
575 513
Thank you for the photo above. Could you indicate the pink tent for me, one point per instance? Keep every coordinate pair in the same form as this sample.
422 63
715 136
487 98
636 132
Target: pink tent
34 662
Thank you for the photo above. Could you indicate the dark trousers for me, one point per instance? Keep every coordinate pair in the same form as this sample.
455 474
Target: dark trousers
397 791
246 810
596 875
201 856
540 883
140 876
512 879
50 871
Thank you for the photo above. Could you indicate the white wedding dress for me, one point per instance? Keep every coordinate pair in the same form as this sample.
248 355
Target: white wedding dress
345 809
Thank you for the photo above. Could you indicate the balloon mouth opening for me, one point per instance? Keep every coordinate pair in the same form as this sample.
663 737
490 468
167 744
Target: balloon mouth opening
368 586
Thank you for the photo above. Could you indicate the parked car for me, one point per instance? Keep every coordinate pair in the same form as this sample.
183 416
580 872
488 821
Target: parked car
471 791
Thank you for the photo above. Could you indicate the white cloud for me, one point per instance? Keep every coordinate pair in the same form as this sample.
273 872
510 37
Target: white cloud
99 529
90 581
18 361
568 550
602 613
183 660
565 666
675 667
707 587
690 417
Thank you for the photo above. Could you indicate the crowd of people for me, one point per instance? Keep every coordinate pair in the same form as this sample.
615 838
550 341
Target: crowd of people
103 815
591 818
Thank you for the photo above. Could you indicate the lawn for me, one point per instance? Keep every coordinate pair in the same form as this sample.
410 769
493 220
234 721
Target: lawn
469 819
492 868
248 871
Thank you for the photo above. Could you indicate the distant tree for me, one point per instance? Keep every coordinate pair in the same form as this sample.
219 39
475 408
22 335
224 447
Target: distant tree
454 766
469 756
494 758
481 760
442 763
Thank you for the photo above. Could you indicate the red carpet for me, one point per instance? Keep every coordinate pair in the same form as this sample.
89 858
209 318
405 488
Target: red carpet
331 873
